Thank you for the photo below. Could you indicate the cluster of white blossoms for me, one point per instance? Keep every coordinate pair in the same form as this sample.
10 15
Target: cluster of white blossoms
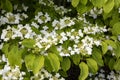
95 12
44 74
9 73
65 22
46 38
42 18
10 18
103 75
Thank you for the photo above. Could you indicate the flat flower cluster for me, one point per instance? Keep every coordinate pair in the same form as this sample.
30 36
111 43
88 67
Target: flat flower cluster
69 36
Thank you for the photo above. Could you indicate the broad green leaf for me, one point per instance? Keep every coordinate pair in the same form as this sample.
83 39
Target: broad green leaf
104 47
111 43
84 2
84 71
111 63
54 61
117 65
92 64
81 8
65 64
14 57
117 50
48 65
97 56
38 64
98 3
29 43
76 59
5 48
53 49
117 3
116 29
7 5
29 61
63 73
75 3
108 6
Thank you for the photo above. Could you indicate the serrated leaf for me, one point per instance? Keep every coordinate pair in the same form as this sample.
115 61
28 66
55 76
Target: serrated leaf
108 6
116 29
117 65
75 3
104 47
29 60
14 57
97 56
38 63
65 64
84 71
84 2
54 61
98 3
92 64
29 43
76 59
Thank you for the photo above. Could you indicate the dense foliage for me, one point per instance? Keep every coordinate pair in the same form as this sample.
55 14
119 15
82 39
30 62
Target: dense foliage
69 40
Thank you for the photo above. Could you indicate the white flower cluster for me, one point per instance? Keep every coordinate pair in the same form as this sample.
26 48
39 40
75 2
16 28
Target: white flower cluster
103 75
9 73
63 31
65 22
10 18
20 31
95 12
44 74
42 18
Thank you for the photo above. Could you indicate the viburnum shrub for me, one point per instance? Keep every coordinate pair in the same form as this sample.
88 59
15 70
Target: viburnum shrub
43 40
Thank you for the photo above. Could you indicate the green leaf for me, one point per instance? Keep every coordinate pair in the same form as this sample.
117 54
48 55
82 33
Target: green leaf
48 65
14 57
5 48
108 6
117 65
97 56
92 64
29 43
84 2
65 64
29 61
98 3
38 63
104 47
54 61
117 3
111 43
117 50
111 63
84 71
75 3
81 8
76 59
7 5
116 29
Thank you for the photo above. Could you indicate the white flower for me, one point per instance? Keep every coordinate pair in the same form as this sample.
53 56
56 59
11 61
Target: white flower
24 7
